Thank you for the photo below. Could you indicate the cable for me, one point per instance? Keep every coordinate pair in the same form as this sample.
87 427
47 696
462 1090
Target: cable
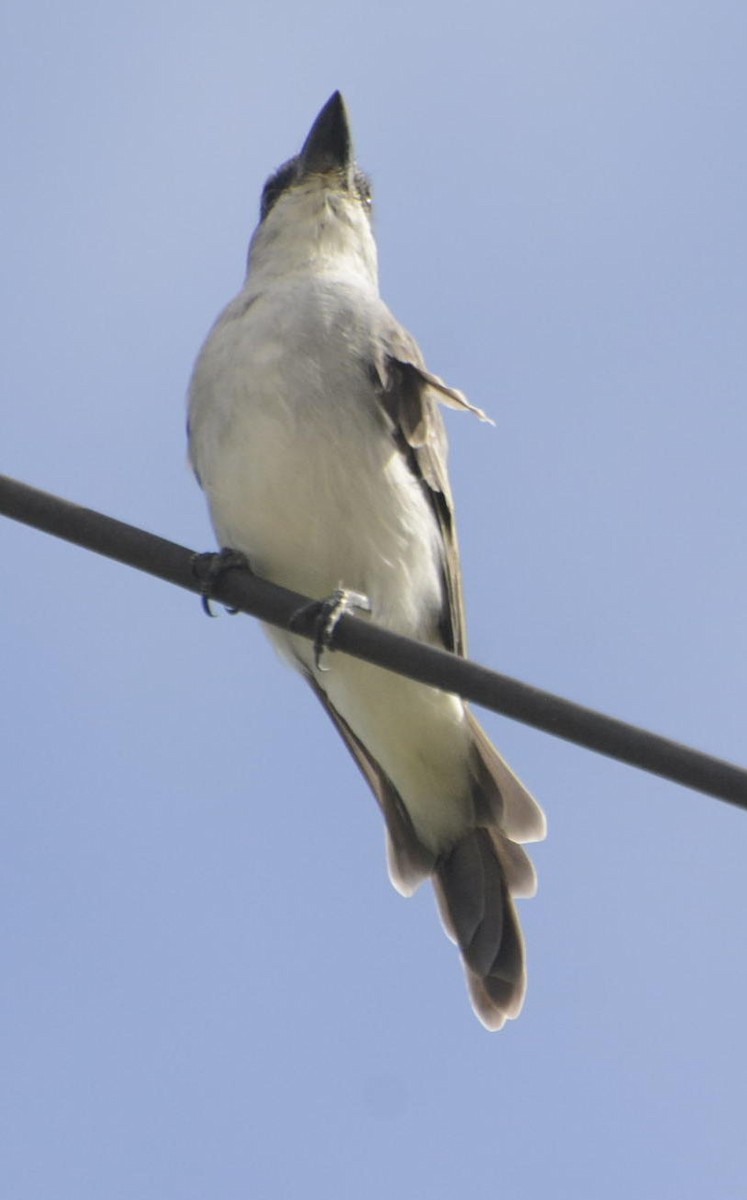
248 593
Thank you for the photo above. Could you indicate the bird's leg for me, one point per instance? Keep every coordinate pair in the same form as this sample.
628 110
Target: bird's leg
210 567
326 615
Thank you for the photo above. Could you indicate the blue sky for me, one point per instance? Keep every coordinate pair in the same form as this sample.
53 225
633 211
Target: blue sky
209 987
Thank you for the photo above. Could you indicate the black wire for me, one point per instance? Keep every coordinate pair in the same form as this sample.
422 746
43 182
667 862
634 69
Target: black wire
241 590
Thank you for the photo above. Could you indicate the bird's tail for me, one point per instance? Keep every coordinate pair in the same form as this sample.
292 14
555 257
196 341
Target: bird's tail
477 880
478 875
478 912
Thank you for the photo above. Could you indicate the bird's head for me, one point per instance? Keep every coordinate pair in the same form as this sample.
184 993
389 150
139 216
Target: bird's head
315 211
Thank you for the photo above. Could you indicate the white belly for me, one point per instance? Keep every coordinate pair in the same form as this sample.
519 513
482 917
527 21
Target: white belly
303 477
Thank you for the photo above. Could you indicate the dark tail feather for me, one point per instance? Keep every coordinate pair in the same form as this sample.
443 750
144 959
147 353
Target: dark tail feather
476 907
477 877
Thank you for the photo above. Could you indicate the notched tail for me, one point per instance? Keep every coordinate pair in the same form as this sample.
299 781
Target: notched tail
477 877
472 887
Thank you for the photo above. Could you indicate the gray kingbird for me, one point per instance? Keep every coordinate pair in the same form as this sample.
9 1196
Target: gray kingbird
316 434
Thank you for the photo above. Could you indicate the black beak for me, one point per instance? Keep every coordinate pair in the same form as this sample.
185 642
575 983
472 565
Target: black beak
329 146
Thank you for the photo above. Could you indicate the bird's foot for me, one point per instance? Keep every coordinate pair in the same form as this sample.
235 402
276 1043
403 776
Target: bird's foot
209 568
326 615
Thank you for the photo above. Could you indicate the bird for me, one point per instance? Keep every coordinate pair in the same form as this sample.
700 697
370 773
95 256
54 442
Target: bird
315 431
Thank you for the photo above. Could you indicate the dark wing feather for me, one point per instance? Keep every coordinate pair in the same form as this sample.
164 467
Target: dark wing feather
409 396
410 862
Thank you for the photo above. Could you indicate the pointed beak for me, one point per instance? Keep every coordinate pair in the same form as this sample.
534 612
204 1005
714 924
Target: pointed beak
329 146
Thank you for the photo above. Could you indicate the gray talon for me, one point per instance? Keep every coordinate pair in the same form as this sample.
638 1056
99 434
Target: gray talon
208 568
326 614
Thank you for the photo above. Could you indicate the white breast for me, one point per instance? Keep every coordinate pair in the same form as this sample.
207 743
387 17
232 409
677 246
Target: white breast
299 468
303 476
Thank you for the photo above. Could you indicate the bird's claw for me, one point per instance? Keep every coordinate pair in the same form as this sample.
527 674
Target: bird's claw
208 568
326 615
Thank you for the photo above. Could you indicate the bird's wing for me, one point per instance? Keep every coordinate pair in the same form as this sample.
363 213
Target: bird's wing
409 395
410 862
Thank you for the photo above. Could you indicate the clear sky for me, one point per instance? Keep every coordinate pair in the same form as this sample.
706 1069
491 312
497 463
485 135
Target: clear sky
209 988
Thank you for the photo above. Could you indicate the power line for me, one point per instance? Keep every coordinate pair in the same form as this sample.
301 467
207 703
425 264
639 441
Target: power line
241 590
